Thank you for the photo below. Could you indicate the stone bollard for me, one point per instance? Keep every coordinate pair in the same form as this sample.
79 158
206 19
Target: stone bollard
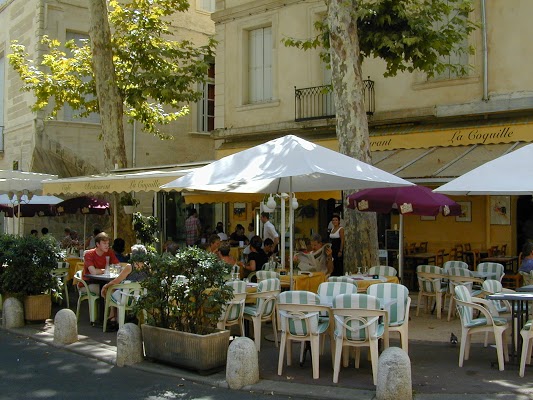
65 327
242 366
12 313
394 375
129 345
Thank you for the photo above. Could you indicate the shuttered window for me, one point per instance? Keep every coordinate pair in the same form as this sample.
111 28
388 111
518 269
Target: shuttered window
2 92
260 65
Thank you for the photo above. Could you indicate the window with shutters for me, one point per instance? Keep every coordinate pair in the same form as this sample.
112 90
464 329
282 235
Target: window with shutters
205 5
260 65
206 106
2 93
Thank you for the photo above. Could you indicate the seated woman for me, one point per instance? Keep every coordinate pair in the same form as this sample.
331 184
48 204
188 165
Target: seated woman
119 245
257 257
132 274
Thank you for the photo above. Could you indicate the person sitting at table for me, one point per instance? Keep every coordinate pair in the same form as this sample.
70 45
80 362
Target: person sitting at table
269 248
527 261
213 244
119 245
131 273
238 236
324 261
95 259
257 257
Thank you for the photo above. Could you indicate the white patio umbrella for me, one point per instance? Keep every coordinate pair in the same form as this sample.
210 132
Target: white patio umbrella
15 201
288 164
509 174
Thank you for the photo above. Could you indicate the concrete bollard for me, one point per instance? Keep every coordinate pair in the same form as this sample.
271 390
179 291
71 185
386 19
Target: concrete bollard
394 375
242 365
129 345
12 313
65 327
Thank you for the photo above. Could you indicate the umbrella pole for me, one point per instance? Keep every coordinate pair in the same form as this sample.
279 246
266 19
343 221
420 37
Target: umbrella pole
18 220
115 216
291 230
84 229
282 233
400 250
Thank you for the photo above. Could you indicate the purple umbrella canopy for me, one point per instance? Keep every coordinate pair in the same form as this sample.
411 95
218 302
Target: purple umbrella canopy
83 205
416 200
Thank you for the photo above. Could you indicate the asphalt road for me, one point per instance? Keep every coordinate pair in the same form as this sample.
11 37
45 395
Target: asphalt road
33 370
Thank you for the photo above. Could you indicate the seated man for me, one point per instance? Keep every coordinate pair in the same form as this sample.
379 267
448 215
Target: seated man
318 259
268 247
238 236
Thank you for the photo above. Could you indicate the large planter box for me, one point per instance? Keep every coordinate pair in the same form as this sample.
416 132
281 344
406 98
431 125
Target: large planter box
38 307
186 350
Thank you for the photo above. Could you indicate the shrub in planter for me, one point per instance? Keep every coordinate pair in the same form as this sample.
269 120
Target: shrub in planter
26 266
184 298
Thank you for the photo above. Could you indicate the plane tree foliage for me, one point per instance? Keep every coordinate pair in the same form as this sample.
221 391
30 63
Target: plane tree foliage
409 35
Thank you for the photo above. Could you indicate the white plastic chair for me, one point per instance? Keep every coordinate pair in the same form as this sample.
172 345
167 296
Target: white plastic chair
233 312
358 324
527 346
464 277
85 293
299 317
122 296
395 299
430 286
466 305
496 270
383 270
264 308
261 275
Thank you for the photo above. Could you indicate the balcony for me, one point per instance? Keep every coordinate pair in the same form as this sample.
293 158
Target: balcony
317 102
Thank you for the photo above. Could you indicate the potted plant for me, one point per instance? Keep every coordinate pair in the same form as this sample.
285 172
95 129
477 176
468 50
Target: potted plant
146 229
129 203
184 298
25 272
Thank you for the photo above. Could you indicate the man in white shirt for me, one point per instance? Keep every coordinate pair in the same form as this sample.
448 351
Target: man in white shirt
268 229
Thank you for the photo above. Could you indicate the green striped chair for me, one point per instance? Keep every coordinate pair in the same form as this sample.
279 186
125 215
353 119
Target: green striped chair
395 299
299 316
358 324
89 293
233 312
454 264
496 270
462 277
466 304
327 291
345 279
261 275
264 308
527 336
383 270
122 296
430 286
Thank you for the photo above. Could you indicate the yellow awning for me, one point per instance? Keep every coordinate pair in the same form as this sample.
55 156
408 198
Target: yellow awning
213 197
113 183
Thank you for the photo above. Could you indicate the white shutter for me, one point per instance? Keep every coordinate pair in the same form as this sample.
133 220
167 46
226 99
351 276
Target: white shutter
2 91
260 64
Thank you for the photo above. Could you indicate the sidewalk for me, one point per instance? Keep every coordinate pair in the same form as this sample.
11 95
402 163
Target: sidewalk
435 371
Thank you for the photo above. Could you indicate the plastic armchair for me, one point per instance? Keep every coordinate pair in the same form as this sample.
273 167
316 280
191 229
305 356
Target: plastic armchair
492 270
61 274
464 277
233 312
383 270
264 308
345 279
395 299
466 305
262 275
527 346
84 293
299 319
359 322
123 299
431 286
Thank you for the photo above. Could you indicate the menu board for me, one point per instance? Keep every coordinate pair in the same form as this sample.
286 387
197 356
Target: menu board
392 239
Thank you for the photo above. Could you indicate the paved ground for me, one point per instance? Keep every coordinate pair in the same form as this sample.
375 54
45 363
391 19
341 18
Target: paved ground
435 371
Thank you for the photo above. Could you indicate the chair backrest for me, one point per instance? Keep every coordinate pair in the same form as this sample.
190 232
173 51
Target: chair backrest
494 251
237 286
503 250
492 286
439 258
262 275
354 327
60 273
299 323
271 265
492 268
130 292
431 285
459 271
327 291
467 247
454 264
466 313
345 279
383 270
266 305
387 293
78 278
423 247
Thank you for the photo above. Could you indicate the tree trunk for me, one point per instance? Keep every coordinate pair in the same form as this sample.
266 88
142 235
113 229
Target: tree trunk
110 101
361 247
